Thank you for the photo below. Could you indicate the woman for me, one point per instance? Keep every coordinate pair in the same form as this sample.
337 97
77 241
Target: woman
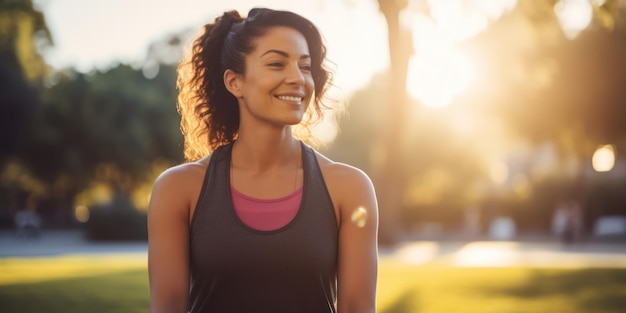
258 221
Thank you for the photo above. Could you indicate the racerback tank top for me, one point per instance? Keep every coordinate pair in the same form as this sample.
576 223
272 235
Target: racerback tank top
235 268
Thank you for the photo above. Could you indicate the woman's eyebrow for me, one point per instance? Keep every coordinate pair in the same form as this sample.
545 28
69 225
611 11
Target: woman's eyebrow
284 54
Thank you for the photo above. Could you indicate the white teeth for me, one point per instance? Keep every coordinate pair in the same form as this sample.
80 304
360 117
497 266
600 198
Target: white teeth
290 98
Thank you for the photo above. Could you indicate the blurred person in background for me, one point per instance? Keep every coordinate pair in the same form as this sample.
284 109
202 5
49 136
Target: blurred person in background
257 220
27 223
567 221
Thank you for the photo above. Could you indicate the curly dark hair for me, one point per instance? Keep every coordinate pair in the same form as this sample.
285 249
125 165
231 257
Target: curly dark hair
209 112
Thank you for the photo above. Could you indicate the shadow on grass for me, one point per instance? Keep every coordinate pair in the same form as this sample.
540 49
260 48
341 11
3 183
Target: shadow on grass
589 289
126 291
407 303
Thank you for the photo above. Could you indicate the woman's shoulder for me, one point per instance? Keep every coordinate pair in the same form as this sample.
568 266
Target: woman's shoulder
341 173
182 175
349 187
177 188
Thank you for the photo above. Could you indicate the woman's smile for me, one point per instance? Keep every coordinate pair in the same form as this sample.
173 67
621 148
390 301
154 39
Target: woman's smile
292 99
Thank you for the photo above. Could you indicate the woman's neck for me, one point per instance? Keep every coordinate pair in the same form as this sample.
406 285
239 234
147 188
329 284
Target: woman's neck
261 151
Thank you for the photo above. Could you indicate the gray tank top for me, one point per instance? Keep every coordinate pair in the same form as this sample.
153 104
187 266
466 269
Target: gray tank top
237 269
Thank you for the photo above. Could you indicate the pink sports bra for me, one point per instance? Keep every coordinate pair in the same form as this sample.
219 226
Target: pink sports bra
266 214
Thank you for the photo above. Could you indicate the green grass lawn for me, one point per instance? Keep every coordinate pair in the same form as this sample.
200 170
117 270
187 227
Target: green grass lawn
120 284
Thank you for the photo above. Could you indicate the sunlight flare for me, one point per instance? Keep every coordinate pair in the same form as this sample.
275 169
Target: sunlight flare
81 213
603 159
488 254
499 172
435 77
359 217
439 71
574 16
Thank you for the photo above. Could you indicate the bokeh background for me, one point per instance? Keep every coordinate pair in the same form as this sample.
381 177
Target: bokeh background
480 121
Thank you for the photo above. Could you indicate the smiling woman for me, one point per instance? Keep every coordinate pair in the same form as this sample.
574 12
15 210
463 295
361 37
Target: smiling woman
257 220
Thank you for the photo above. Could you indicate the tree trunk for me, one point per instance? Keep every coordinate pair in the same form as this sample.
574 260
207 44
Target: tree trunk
389 176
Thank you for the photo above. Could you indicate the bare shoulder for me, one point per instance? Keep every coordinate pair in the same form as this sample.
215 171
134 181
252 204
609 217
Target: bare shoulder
183 172
350 189
179 186
342 173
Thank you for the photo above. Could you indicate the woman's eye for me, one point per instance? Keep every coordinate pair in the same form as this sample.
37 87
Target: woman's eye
276 64
306 67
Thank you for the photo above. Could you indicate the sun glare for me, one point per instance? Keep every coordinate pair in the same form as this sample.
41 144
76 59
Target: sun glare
603 158
487 254
574 16
435 77
438 71
359 217
499 172
81 213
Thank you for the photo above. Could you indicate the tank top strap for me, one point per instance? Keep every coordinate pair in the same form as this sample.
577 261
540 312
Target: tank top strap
315 186
216 171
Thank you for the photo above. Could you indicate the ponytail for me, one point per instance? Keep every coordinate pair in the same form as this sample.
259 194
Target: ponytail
200 81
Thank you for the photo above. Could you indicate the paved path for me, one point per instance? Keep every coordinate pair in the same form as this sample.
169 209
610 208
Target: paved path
448 253
53 243
511 253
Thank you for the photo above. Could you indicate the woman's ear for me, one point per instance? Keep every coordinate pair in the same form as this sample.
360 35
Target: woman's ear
232 81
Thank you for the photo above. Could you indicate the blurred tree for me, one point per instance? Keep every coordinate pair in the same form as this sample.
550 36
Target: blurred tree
544 83
23 36
108 127
548 85
441 168
63 131
553 88
389 174
18 101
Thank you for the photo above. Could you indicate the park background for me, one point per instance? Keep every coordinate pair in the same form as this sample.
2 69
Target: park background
477 120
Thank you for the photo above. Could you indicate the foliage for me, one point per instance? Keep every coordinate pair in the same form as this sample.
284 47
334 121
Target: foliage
535 213
605 197
118 221
113 117
440 169
548 87
540 83
18 103
23 34
65 130
108 127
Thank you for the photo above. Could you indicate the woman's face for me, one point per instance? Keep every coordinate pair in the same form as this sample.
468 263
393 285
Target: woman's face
277 84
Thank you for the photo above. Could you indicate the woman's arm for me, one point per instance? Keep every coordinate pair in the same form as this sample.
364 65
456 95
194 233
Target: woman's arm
358 234
168 242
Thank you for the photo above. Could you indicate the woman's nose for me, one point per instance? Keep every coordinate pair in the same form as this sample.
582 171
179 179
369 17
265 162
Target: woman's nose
295 76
